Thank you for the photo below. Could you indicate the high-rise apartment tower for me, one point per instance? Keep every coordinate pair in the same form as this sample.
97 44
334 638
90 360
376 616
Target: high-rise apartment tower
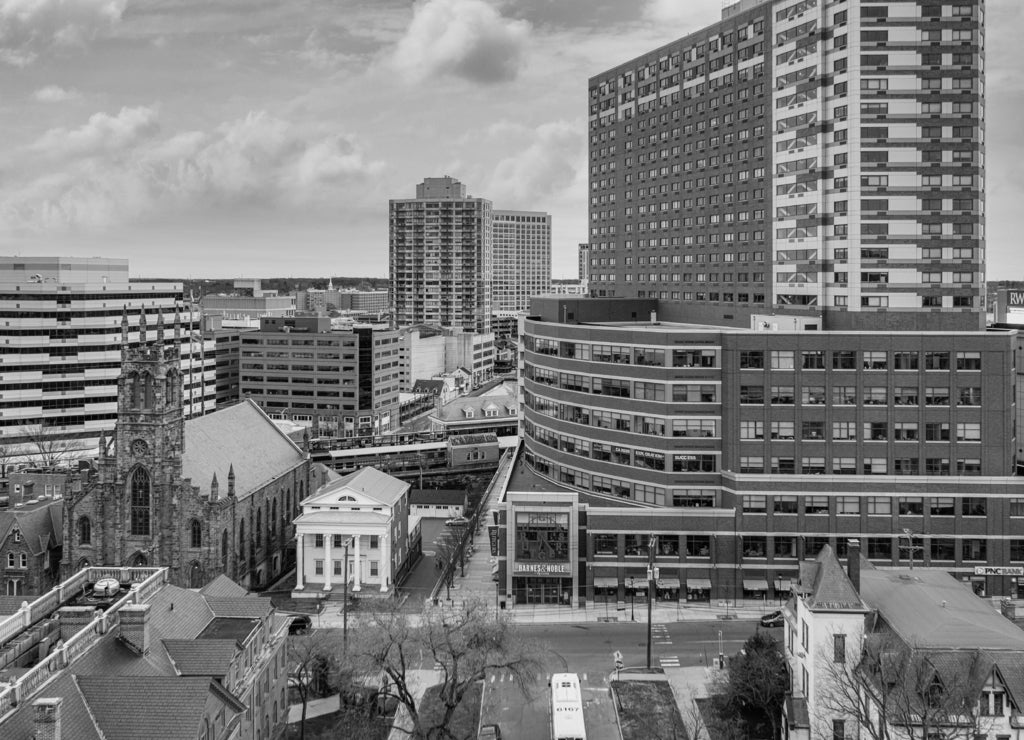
440 256
522 258
800 158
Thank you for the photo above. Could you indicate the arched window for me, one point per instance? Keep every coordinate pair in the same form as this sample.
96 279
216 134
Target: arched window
195 533
171 386
195 575
272 524
24 560
241 539
84 531
149 399
134 391
259 524
224 550
139 505
82 564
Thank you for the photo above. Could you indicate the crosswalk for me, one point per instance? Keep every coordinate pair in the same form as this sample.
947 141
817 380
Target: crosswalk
669 661
660 635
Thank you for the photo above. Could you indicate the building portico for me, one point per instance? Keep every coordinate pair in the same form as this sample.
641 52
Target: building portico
353 528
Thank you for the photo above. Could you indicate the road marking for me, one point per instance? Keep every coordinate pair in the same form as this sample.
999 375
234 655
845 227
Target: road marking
584 676
669 661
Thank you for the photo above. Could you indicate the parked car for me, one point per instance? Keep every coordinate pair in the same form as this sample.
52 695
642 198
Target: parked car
773 619
300 624
459 521
489 732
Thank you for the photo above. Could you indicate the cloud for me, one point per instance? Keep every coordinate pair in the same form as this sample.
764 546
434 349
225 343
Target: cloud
102 134
689 12
55 94
462 38
31 27
117 169
543 163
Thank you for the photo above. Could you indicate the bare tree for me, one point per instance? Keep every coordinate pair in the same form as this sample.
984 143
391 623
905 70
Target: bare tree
6 456
894 690
51 447
446 551
311 661
463 644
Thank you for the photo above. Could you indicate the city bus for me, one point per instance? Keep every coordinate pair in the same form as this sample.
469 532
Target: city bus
567 708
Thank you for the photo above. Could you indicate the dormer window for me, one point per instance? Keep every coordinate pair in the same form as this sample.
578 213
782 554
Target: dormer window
17 535
469 413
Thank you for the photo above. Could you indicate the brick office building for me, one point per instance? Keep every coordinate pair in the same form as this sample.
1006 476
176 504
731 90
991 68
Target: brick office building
202 497
788 440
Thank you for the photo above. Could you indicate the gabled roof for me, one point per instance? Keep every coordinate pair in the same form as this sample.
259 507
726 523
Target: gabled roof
152 707
365 483
39 524
825 585
222 586
342 517
432 386
201 657
456 409
75 718
242 438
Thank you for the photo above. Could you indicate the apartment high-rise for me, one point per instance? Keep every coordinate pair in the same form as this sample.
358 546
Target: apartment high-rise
441 257
800 158
522 258
61 351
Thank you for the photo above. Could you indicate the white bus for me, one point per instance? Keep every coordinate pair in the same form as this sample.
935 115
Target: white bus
567 708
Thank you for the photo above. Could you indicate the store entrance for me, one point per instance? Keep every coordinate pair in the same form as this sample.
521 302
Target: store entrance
534 590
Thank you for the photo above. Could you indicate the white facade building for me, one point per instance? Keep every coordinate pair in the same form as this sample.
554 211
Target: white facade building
522 258
363 517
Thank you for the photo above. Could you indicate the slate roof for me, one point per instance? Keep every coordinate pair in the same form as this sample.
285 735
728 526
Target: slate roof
40 524
201 657
432 387
825 585
239 606
76 721
240 437
155 707
456 410
370 482
930 609
222 586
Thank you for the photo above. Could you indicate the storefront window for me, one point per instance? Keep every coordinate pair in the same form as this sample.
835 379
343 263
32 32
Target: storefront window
698 545
542 536
606 544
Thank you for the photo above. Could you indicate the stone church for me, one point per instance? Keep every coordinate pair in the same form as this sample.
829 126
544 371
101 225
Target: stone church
205 496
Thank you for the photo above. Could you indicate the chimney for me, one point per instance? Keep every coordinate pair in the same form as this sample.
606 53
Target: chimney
73 619
46 718
134 620
853 562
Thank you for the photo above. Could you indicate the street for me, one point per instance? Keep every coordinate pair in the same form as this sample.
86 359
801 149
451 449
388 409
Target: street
587 649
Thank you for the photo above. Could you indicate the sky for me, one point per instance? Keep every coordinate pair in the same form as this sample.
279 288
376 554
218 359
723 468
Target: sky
260 138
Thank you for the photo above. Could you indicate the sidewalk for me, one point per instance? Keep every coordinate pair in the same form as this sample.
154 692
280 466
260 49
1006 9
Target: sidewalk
418 681
314 708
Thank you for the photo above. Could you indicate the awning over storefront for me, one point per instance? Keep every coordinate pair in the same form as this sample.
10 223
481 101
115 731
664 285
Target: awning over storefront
698 584
755 584
668 582
639 584
606 582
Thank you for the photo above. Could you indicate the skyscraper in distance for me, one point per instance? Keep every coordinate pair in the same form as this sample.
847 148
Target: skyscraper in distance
522 258
441 257
822 161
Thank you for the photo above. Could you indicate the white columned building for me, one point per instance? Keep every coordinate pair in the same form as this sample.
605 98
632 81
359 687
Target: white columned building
363 516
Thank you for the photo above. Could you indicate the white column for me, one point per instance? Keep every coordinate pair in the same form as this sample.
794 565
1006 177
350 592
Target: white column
299 564
356 584
385 561
328 566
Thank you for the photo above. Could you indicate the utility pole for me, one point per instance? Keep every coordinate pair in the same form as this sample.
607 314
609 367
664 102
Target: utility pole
652 577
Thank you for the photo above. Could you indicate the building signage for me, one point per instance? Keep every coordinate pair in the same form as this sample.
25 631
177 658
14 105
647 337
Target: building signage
1001 570
1015 298
492 533
545 568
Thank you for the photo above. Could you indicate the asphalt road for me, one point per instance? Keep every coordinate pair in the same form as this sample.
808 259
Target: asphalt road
587 649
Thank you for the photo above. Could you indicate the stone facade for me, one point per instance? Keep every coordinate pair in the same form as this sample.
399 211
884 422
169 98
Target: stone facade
142 509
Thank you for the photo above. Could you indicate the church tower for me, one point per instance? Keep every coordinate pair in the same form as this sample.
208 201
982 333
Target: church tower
141 479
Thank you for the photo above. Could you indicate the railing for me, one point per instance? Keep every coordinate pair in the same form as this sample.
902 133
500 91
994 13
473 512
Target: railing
148 580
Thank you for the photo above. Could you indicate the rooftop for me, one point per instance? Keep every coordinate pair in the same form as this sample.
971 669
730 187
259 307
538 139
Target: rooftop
931 609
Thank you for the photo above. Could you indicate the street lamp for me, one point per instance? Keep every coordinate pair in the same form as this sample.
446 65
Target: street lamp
632 592
652 576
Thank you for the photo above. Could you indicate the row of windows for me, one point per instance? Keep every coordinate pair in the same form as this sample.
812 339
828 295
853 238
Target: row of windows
847 395
656 426
880 548
622 354
870 430
866 359
624 388
815 465
873 505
